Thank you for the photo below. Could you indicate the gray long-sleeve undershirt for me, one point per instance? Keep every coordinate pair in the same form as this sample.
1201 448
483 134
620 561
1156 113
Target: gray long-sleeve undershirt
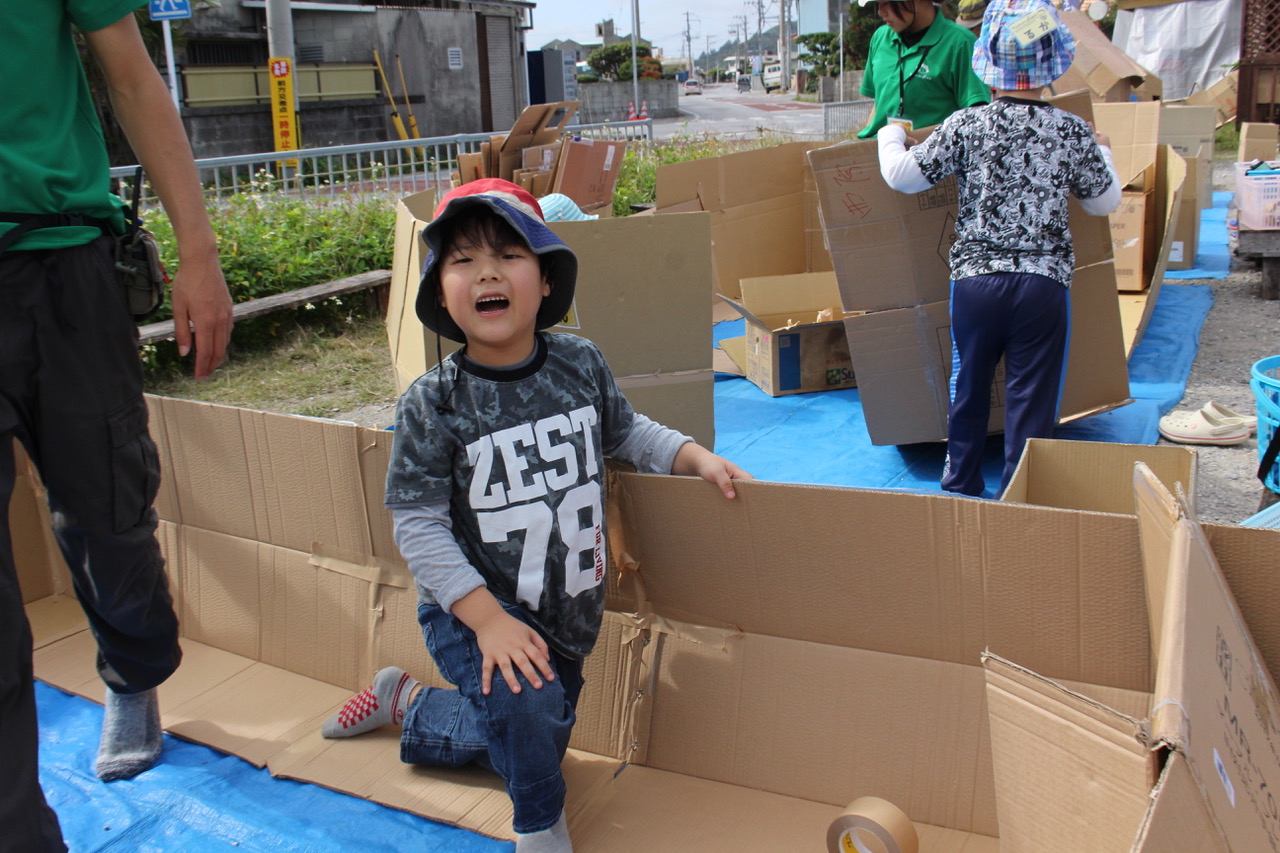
424 533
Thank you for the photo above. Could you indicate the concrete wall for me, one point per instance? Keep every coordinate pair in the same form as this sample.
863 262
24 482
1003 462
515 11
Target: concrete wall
246 129
608 101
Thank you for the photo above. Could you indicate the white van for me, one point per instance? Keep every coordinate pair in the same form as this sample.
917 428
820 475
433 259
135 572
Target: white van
772 77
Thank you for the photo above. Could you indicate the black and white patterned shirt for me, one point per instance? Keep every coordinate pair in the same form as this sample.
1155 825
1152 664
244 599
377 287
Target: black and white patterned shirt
1015 163
518 454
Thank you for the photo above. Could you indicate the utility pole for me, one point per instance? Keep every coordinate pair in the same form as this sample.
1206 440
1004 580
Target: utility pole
784 45
688 44
635 63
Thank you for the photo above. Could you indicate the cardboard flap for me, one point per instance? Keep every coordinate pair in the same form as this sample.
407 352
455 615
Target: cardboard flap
1214 700
1058 755
1098 61
1178 812
1134 129
800 294
539 124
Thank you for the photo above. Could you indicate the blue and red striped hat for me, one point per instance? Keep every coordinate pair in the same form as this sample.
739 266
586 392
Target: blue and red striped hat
521 211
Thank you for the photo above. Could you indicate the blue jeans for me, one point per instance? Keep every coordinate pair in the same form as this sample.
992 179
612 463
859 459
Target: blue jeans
520 736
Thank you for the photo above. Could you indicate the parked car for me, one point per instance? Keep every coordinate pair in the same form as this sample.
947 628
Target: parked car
772 77
692 87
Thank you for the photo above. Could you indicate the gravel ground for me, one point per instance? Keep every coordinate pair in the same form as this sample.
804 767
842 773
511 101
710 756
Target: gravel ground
1241 328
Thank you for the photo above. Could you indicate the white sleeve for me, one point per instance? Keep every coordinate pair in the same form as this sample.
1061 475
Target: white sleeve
1110 199
650 446
899 169
424 535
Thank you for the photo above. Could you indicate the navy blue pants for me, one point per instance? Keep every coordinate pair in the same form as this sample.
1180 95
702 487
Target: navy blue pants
71 392
1026 319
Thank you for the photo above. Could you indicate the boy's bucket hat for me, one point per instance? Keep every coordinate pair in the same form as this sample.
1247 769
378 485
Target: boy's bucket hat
558 207
1003 61
521 212
969 13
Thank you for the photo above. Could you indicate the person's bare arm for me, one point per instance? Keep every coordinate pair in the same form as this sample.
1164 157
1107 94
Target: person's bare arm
144 108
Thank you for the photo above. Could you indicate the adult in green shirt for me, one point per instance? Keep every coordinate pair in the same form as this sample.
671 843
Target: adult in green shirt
71 379
919 66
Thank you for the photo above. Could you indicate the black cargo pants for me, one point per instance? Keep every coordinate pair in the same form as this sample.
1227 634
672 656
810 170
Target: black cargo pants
71 392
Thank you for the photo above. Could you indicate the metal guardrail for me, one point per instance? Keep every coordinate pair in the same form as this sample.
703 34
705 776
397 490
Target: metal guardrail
399 168
846 118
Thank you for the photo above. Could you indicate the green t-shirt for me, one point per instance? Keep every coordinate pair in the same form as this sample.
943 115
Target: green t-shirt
52 155
936 74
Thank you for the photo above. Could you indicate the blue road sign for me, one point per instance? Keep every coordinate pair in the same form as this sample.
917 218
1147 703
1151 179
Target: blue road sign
170 10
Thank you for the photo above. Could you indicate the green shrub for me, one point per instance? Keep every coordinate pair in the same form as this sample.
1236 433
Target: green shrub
271 242
638 175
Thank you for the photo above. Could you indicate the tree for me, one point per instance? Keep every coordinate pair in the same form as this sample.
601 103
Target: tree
821 52
650 68
608 61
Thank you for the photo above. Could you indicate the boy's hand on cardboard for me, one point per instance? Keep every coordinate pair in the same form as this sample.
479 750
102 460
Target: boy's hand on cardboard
694 460
506 643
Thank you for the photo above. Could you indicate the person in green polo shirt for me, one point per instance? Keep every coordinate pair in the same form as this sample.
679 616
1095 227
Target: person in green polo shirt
71 379
919 67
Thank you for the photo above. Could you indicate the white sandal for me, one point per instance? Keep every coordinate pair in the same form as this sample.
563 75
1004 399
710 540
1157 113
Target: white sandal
1201 427
1222 413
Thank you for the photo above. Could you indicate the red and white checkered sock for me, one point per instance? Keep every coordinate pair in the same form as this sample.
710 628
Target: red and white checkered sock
383 703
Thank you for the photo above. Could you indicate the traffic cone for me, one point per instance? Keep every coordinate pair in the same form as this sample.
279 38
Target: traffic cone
631 110
644 111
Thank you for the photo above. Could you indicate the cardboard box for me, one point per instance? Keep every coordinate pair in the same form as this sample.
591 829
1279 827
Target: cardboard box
795 341
587 170
1185 244
1133 129
652 323
1258 141
1222 96
902 359
710 720
764 211
1131 224
1197 764
1107 71
1189 131
890 249
1096 476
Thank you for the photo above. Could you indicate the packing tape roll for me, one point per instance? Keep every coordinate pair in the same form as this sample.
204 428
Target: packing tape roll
876 817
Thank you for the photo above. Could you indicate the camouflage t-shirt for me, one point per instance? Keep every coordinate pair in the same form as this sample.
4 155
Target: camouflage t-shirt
519 455
1015 162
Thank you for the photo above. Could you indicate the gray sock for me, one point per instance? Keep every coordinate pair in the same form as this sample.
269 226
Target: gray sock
131 735
381 704
553 840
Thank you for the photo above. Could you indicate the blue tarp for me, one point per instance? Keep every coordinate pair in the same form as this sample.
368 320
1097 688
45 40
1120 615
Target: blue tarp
197 799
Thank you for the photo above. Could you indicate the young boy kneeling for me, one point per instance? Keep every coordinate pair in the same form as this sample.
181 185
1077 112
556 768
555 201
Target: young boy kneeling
496 487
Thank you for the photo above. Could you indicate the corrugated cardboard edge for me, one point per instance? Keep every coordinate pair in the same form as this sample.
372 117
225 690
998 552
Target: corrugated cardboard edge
1054 746
1215 702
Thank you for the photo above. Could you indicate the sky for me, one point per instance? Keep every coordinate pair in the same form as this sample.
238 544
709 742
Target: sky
662 22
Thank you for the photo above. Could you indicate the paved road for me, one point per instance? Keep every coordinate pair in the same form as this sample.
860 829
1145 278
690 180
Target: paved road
723 110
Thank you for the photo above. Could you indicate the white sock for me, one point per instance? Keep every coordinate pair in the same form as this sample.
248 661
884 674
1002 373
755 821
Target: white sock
552 840
383 703
131 735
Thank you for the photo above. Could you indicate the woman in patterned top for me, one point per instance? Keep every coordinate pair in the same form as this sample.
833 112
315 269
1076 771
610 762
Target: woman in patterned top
1016 160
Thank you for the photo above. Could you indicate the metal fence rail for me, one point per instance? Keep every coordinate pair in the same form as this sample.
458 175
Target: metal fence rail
399 168
846 118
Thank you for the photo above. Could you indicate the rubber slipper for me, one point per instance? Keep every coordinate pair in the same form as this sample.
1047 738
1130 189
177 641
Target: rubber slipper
1222 413
1200 427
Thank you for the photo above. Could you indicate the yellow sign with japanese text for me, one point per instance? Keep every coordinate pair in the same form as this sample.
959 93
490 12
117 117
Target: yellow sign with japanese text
284 121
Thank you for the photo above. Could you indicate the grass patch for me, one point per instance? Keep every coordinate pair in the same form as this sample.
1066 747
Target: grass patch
315 371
